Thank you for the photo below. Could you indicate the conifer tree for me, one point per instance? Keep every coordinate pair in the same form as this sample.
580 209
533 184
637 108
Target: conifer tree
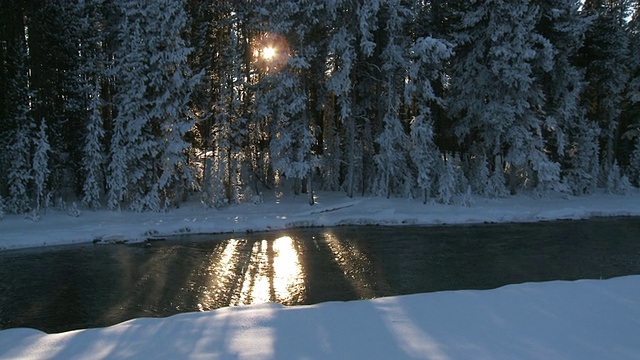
19 126
93 69
342 47
391 158
428 56
54 60
41 166
2 207
565 26
494 92
148 167
633 98
293 128
447 181
605 56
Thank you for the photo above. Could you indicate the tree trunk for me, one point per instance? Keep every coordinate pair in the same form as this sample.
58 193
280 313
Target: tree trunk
312 200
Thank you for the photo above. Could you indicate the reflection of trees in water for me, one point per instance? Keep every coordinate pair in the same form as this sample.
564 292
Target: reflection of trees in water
361 271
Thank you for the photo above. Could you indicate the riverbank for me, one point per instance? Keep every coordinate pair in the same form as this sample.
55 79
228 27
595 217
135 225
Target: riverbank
279 211
587 319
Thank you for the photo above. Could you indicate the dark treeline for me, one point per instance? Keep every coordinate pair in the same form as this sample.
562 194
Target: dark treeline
144 104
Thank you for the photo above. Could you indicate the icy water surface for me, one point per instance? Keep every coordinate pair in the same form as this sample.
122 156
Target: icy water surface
79 286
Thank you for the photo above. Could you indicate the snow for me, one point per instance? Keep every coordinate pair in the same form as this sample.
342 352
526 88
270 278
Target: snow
586 319
279 211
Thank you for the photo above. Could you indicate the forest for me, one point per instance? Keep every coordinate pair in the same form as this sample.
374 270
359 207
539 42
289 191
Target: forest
144 104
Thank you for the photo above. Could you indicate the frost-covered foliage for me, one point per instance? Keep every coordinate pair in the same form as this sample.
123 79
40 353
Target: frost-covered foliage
635 163
447 184
148 168
363 97
565 27
495 96
427 56
2 207
40 163
605 57
617 183
467 198
74 211
93 71
583 170
93 151
19 126
293 128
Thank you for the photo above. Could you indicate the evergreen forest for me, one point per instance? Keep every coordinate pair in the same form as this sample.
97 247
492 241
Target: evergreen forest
144 104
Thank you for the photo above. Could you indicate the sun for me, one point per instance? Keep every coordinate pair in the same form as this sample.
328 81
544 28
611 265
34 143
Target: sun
268 52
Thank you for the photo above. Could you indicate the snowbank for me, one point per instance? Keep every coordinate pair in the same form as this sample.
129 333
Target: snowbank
587 319
283 211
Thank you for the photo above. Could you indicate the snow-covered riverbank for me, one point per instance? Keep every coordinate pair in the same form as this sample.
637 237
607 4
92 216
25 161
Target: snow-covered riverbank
588 319
281 211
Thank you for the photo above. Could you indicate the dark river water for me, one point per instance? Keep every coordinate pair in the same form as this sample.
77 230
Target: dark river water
70 287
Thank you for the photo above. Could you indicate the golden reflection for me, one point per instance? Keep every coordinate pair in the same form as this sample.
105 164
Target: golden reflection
273 274
354 264
288 280
255 287
220 275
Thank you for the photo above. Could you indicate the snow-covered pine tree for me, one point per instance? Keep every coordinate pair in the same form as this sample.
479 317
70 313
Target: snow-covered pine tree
93 158
428 56
562 23
147 167
229 128
605 55
2 208
617 183
478 171
496 184
634 32
391 158
342 49
293 126
20 126
54 33
131 148
41 166
634 165
213 25
291 138
447 183
93 71
173 85
364 76
423 153
633 133
495 96
583 167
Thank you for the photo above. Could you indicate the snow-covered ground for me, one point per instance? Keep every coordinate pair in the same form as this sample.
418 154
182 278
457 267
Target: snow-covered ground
279 211
588 319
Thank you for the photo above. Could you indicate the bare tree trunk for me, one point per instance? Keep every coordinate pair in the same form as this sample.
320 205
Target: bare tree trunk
351 147
312 200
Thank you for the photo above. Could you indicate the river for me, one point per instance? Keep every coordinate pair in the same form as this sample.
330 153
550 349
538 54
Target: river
62 288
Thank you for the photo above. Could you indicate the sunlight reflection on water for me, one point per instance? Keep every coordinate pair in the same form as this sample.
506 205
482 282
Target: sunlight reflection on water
273 274
355 265
89 286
